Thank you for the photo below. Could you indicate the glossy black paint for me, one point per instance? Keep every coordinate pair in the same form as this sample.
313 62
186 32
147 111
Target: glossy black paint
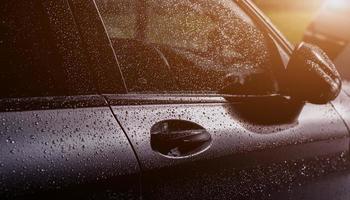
66 151
50 103
341 104
269 110
237 145
179 138
311 76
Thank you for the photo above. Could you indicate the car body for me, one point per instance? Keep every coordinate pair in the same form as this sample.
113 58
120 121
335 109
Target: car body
92 109
330 30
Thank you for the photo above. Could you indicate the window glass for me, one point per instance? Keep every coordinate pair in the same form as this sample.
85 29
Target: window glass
31 63
188 46
120 17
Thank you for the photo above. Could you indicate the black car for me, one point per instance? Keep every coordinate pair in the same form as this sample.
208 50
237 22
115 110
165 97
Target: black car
165 99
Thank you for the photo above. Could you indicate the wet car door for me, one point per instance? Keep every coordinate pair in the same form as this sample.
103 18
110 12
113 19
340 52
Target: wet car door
192 142
58 137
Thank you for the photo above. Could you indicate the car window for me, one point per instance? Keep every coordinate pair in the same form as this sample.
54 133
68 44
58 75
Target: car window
188 46
35 60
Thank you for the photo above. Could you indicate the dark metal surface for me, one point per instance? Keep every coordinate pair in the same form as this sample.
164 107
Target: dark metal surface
154 99
318 132
346 87
342 105
68 152
334 186
46 103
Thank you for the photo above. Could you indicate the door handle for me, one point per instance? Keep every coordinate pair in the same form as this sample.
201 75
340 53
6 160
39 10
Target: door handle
178 138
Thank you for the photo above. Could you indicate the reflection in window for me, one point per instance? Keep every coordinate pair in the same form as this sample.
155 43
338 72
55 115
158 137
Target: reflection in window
187 46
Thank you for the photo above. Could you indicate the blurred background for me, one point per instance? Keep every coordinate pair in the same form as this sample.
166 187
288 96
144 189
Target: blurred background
291 16
325 23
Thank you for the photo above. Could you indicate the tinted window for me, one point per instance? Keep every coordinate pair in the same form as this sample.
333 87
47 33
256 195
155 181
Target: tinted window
31 50
188 46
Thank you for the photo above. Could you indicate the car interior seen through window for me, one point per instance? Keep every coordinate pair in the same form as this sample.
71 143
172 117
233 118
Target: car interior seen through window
188 46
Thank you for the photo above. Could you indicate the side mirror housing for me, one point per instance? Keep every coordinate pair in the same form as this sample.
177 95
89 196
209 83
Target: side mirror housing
311 76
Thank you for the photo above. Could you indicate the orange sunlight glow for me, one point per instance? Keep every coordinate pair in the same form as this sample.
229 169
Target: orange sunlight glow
336 4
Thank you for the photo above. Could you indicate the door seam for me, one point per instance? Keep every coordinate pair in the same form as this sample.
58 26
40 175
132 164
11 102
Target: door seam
341 117
131 145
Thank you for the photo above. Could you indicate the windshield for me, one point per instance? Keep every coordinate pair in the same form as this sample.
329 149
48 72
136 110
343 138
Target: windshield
201 41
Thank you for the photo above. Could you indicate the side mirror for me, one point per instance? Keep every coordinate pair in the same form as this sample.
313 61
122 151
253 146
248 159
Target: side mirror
311 76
